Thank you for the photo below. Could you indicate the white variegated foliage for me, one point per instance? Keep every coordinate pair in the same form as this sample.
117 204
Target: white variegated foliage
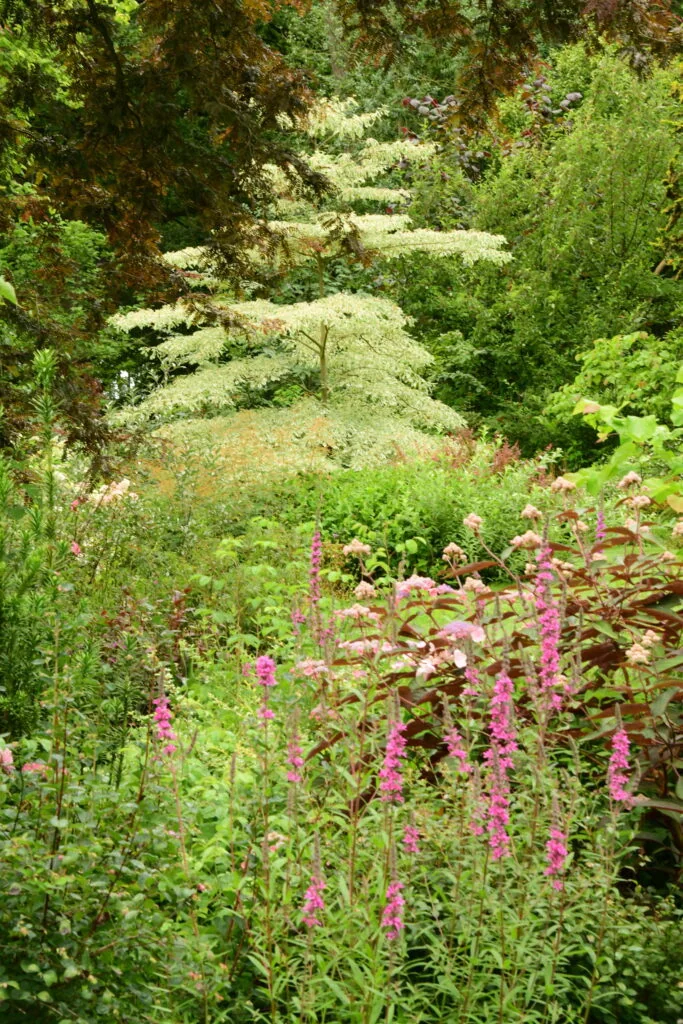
357 346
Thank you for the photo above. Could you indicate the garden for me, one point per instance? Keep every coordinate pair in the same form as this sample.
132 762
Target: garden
341 512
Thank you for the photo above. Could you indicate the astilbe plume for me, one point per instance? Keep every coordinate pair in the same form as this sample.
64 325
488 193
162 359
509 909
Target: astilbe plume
618 766
549 628
162 717
391 786
499 758
313 903
392 916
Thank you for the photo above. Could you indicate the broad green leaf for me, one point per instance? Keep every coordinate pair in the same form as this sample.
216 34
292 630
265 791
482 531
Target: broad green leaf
7 292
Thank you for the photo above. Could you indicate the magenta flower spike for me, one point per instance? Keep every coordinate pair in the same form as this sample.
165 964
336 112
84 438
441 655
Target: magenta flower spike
162 717
313 903
618 767
556 851
391 786
392 917
549 627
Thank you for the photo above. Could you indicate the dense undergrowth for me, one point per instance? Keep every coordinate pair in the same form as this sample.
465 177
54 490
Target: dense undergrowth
234 790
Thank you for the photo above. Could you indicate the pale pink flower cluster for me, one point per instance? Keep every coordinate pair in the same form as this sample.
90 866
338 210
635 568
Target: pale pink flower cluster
357 548
638 654
265 677
678 529
314 668
639 501
313 903
364 590
392 917
368 646
411 839
391 786
631 479
618 766
531 512
473 585
6 761
526 540
562 486
453 553
556 850
358 612
459 629
113 492
34 768
162 717
473 522
433 589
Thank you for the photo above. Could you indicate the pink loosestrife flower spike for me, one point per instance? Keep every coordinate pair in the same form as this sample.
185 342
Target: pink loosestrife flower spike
313 902
294 759
162 717
411 839
392 917
499 758
456 749
391 786
549 627
556 851
618 766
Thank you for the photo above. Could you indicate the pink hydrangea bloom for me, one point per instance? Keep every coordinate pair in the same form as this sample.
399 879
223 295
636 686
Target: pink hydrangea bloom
313 902
34 767
411 839
392 917
618 766
6 761
391 786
